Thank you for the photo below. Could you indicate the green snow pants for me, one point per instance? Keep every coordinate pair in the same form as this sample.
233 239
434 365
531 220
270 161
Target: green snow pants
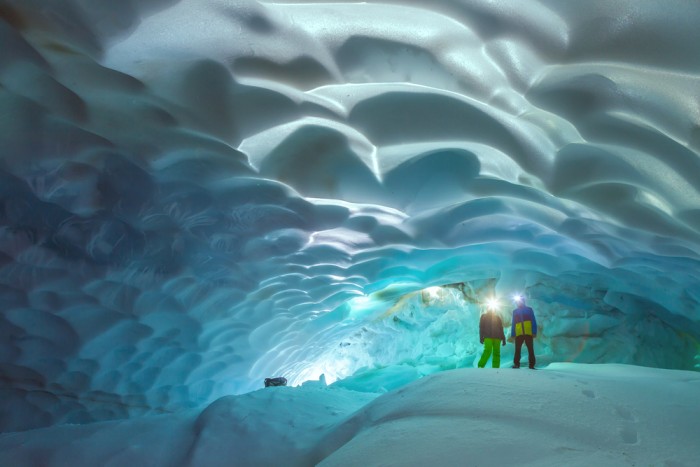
491 345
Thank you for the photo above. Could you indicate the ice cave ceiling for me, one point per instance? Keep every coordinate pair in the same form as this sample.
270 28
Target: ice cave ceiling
198 194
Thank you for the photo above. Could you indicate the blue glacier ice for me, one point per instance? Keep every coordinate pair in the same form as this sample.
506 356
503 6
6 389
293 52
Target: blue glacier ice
199 194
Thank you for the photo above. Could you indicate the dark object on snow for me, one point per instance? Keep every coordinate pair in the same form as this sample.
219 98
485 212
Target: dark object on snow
280 381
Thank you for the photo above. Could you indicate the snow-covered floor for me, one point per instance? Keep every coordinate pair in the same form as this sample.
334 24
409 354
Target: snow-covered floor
562 415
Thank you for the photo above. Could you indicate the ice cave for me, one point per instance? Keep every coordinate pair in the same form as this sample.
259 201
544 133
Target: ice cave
196 195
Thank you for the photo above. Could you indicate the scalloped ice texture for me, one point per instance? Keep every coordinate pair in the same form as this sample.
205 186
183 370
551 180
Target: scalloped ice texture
197 195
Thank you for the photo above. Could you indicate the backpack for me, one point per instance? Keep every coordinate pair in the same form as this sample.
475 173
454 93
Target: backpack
279 381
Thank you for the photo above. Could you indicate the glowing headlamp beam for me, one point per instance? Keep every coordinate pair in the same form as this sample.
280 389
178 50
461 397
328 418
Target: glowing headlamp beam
492 303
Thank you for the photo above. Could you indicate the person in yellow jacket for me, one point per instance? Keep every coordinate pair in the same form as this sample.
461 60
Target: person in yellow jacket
523 329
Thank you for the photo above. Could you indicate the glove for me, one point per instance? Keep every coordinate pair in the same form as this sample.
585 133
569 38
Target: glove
504 343
481 340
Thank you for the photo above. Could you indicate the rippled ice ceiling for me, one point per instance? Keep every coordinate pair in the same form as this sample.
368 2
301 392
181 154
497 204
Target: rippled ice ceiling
198 194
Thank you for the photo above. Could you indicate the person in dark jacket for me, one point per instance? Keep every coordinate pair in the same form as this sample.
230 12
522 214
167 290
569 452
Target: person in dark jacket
523 329
490 333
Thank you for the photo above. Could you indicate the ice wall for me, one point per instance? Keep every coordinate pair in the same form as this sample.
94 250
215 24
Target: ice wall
196 195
